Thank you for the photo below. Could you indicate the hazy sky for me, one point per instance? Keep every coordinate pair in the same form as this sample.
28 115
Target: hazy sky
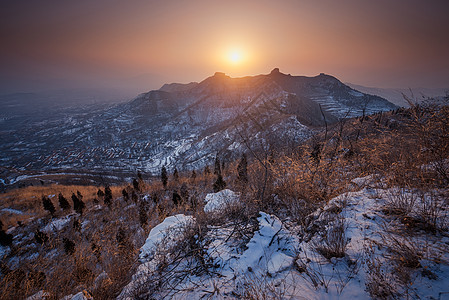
140 44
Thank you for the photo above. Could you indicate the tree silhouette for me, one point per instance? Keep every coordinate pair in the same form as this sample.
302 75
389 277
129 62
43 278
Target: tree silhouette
69 246
184 192
217 166
143 216
48 205
78 204
219 184
242 170
107 196
63 203
125 195
175 175
176 198
5 238
134 196
100 193
164 177
136 185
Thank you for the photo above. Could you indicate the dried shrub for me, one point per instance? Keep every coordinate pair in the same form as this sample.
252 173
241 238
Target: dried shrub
334 241
380 284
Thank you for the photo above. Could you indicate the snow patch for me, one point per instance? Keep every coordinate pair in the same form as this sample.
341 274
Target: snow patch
164 235
270 250
218 201
56 225
12 211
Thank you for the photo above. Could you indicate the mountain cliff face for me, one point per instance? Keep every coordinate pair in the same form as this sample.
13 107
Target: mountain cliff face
187 125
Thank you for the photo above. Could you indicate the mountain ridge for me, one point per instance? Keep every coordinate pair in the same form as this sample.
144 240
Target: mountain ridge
187 125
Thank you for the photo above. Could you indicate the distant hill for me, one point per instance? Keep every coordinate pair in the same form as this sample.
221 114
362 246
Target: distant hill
396 96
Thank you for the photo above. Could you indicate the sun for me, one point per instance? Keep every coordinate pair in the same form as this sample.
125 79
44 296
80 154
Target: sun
235 56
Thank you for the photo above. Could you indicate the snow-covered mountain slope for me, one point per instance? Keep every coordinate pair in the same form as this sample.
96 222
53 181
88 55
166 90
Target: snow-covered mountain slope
186 125
350 249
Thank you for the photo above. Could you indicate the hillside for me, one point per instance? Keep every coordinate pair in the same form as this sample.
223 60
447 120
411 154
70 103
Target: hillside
179 125
359 209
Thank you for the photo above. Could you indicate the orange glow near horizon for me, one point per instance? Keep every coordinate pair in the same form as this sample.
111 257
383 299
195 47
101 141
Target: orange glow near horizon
389 44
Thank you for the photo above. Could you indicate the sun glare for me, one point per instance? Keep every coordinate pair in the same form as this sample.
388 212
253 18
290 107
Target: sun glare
235 57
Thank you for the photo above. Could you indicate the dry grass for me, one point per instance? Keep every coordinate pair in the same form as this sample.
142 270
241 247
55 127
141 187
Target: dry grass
334 241
291 185
28 200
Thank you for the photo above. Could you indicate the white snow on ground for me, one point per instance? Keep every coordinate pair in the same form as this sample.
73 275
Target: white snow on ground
57 225
271 249
83 295
281 258
12 211
39 296
219 201
165 235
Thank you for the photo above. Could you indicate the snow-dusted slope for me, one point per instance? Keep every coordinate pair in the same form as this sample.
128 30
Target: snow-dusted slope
186 125
281 259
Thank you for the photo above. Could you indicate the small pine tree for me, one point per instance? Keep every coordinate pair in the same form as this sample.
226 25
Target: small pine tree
5 238
164 177
193 176
176 198
139 175
63 203
100 193
194 201
78 205
155 198
107 196
125 195
80 196
69 246
184 192
175 175
242 170
122 238
136 185
134 196
219 184
217 167
48 205
143 216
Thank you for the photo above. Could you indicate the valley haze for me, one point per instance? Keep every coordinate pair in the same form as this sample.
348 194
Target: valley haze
180 125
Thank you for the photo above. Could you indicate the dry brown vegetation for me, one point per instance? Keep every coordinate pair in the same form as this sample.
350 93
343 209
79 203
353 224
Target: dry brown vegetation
405 149
28 200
